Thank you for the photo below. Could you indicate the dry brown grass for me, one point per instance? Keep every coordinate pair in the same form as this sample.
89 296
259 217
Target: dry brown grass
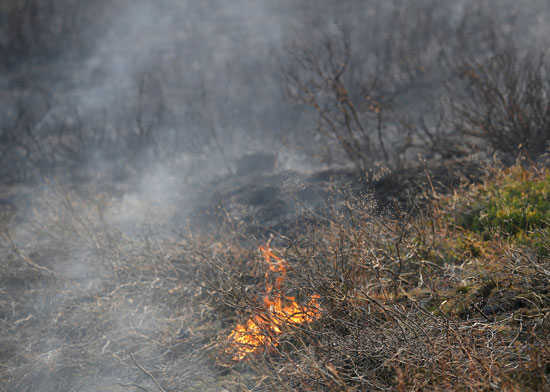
409 301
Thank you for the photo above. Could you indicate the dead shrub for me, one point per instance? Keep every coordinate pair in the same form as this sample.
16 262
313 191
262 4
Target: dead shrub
503 103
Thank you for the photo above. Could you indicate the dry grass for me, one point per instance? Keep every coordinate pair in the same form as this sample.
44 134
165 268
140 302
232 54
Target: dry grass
409 301
87 307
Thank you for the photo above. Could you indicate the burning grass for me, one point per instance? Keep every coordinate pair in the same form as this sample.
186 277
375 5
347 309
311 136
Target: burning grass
262 330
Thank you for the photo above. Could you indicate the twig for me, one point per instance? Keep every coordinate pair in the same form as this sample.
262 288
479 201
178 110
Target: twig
24 257
134 385
146 372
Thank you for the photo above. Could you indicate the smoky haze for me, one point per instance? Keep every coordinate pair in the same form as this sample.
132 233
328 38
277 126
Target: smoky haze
157 81
145 82
125 123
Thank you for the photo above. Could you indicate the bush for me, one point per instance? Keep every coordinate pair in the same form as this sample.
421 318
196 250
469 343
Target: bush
503 104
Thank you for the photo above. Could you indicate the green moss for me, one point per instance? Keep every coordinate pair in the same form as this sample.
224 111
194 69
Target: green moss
516 204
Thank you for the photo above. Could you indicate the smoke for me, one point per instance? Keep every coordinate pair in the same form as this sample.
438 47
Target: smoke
170 81
143 114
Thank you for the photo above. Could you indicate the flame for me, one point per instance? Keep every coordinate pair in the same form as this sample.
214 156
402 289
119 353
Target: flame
263 329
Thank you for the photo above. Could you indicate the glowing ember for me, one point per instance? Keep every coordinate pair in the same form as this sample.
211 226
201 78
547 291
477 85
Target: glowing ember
280 309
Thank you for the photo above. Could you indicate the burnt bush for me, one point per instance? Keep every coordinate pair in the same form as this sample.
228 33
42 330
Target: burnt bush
365 81
503 103
385 92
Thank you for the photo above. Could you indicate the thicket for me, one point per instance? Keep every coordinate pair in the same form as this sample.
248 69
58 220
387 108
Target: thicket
433 86
409 297
376 94
503 103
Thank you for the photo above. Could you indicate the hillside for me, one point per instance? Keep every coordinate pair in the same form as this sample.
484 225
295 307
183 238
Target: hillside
253 195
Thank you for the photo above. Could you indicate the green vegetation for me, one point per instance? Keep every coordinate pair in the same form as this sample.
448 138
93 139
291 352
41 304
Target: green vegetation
516 203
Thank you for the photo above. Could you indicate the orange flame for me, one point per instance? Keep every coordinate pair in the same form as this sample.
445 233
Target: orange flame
263 329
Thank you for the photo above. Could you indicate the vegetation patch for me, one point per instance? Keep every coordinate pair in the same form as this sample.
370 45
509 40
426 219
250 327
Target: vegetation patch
517 202
514 204
409 299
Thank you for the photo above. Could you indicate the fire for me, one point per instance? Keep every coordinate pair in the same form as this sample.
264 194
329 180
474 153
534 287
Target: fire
264 329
